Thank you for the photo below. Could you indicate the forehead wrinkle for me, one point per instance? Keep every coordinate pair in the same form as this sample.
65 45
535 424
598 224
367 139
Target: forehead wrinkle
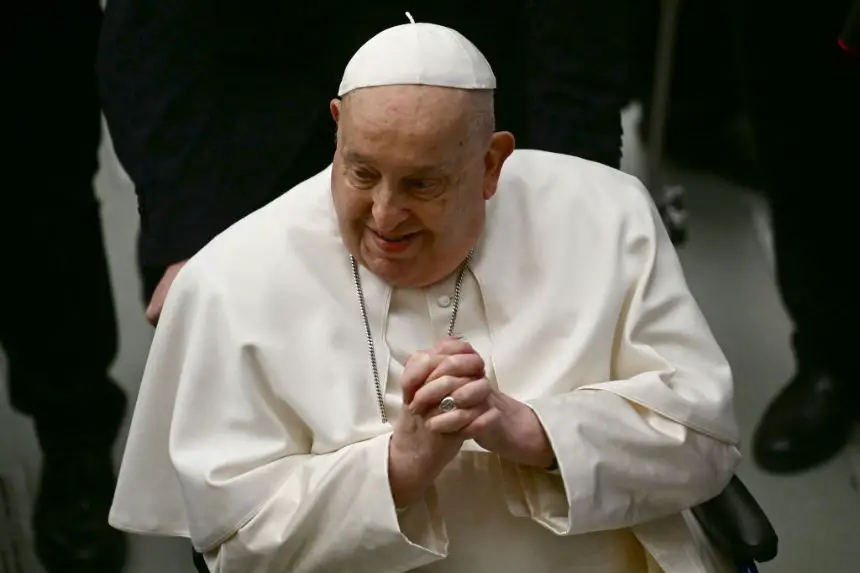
411 123
421 106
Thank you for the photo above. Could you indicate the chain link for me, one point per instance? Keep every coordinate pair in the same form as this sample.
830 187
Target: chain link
371 350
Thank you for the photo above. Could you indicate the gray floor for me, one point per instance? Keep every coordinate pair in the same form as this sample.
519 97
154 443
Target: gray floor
728 266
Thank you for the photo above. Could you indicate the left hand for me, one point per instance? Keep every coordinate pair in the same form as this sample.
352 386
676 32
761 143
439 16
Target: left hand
503 425
156 303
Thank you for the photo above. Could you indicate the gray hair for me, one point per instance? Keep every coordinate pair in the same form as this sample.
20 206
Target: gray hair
482 118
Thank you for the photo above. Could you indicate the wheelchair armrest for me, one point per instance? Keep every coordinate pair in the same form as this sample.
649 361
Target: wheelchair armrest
737 526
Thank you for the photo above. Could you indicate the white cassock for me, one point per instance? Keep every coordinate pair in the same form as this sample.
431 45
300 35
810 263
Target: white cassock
257 431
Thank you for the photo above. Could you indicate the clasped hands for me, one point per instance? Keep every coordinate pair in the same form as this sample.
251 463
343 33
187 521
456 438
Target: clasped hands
425 439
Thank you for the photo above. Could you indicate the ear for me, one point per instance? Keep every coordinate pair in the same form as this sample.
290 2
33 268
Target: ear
334 108
502 144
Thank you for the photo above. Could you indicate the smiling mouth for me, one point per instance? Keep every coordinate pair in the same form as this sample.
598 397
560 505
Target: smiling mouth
397 239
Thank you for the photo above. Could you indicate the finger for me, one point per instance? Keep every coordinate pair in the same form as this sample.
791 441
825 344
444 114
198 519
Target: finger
467 393
481 424
460 365
430 394
454 421
453 345
153 309
419 366
474 393
152 314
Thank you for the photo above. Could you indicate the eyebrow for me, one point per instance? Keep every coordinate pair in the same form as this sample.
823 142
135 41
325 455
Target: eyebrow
356 157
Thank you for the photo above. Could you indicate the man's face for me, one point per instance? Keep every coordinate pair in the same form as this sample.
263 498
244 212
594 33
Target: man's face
410 179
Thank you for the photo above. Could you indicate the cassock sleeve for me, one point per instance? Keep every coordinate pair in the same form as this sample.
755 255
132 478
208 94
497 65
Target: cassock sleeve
256 499
660 437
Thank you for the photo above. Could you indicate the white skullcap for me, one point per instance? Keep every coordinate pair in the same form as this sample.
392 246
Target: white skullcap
418 54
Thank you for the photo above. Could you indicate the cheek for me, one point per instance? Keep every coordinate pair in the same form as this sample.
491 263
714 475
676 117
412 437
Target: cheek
440 218
350 204
461 218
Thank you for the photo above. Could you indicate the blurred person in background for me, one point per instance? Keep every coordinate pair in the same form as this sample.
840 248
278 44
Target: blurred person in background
764 94
214 108
805 103
57 322
707 127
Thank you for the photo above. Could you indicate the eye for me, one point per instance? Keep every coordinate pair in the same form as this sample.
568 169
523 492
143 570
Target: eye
422 186
362 177
419 184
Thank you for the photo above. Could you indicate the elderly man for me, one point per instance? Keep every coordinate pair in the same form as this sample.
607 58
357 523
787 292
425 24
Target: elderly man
569 403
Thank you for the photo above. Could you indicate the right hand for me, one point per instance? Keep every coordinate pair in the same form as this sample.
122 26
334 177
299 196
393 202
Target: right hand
417 454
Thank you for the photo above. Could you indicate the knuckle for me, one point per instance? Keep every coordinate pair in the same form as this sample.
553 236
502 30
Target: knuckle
464 347
421 357
417 362
470 432
474 361
462 362
477 427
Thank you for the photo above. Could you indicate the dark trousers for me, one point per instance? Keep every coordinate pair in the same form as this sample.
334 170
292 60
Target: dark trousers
576 70
57 320
562 69
316 153
805 102
573 66
706 84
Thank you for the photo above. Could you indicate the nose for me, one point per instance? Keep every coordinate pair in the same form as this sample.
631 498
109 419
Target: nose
388 213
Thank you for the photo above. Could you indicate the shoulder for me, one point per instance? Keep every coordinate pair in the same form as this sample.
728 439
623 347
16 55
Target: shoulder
564 191
267 249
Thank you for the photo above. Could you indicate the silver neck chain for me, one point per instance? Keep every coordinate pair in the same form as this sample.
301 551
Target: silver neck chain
371 351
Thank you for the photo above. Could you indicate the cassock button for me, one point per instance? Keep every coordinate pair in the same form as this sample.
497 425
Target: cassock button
444 301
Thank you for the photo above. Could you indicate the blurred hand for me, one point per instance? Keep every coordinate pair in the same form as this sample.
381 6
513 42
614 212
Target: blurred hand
156 303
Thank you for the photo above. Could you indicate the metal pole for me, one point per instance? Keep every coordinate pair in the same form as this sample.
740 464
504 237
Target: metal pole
660 99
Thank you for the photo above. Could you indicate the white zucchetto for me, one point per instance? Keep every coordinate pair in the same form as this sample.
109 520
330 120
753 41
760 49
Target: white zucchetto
418 54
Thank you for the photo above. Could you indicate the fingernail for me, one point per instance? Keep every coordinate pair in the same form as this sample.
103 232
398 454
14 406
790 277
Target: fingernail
458 336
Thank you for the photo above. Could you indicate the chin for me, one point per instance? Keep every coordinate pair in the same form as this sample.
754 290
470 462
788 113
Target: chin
397 273
404 274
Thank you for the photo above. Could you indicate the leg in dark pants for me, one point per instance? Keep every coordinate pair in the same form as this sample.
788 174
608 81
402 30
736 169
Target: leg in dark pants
806 106
315 155
576 74
706 128
57 322
561 69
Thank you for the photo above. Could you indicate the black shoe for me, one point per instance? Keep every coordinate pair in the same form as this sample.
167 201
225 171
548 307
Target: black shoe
70 520
807 424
